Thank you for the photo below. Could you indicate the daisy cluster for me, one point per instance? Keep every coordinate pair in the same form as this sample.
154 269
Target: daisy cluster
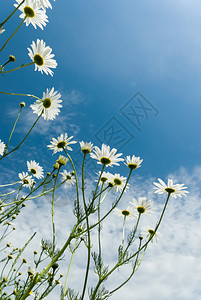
33 169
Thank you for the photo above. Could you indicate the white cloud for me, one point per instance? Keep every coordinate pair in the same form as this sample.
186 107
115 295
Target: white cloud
170 268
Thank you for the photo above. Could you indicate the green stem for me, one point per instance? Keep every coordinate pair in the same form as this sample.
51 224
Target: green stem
17 94
77 189
23 138
6 148
99 225
11 14
123 233
88 233
22 66
53 202
13 34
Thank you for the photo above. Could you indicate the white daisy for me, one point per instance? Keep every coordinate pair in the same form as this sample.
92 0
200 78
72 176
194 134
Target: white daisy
133 162
35 169
50 105
119 182
61 142
42 57
70 180
1 29
43 3
150 232
26 180
105 177
176 190
106 156
86 148
128 213
142 205
34 15
2 147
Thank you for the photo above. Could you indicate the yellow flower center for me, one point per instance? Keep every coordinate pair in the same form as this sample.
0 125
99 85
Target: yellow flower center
140 209
105 160
38 60
117 181
125 212
61 144
170 190
47 103
29 12
132 166
33 171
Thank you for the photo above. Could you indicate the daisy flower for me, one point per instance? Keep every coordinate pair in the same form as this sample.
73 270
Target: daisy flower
119 182
2 147
176 190
61 143
150 232
26 180
34 15
142 205
133 162
86 148
42 57
35 169
50 105
127 213
106 156
105 177
70 180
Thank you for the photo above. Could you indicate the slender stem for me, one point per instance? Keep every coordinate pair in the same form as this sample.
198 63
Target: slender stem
22 66
77 189
67 275
53 202
11 14
99 225
23 138
17 94
123 233
6 148
88 233
13 34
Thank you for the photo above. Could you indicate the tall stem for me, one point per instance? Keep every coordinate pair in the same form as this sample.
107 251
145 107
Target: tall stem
1 24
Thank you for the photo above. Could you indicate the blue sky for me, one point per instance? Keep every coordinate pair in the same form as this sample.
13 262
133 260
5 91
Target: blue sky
110 52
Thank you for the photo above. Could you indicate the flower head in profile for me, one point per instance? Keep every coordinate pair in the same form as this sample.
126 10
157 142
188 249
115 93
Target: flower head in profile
133 162
86 148
126 213
1 29
35 169
106 177
42 57
34 15
106 156
176 190
62 160
62 142
26 180
150 233
70 179
119 182
49 106
142 206
2 147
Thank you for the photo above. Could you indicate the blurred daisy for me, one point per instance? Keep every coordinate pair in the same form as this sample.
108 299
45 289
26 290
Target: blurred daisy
2 147
127 213
34 15
176 190
1 29
150 233
26 180
42 57
142 205
70 180
50 105
106 156
43 3
105 177
35 169
119 182
61 143
86 148
133 162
